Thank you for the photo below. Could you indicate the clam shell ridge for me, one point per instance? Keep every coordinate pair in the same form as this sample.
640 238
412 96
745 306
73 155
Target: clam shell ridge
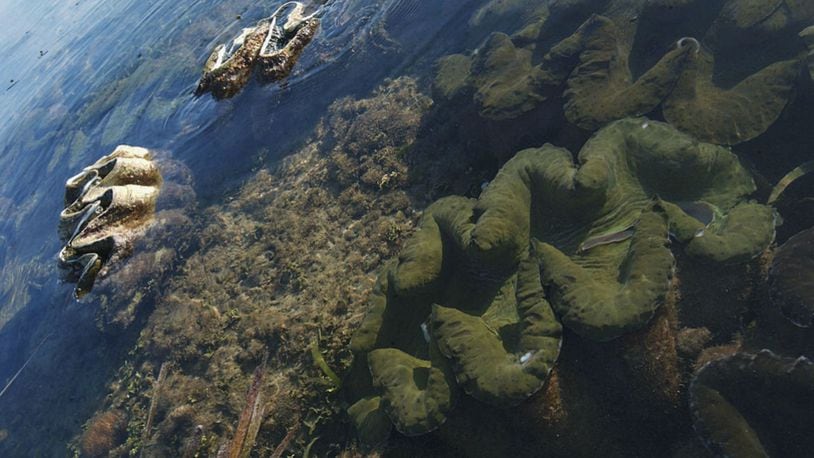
107 205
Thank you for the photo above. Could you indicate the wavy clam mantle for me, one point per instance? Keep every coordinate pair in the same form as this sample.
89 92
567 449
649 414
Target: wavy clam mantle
589 71
464 303
107 206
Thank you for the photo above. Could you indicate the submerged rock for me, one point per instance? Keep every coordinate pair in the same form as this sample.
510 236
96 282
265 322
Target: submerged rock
107 206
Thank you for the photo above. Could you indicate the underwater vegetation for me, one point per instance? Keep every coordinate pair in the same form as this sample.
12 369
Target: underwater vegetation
247 292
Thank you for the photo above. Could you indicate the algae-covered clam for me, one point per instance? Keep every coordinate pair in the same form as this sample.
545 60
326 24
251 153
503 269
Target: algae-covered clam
285 42
107 206
792 278
465 296
228 69
599 78
274 45
729 115
602 89
755 404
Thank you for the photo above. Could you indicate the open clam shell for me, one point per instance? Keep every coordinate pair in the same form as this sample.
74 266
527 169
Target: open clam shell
227 70
107 205
290 31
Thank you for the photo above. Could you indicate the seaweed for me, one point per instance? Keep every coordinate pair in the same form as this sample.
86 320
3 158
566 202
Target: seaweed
250 418
320 362
157 385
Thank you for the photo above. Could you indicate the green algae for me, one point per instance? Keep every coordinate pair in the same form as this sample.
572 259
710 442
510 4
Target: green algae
320 362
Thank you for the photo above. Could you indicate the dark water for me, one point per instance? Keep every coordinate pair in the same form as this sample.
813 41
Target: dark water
79 78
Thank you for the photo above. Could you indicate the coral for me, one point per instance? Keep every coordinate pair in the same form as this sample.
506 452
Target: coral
791 275
104 432
107 206
468 284
754 404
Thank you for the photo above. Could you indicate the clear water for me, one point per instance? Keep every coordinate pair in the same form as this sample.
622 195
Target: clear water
79 78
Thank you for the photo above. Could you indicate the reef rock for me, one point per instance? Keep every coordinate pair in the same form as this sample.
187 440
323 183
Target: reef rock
107 206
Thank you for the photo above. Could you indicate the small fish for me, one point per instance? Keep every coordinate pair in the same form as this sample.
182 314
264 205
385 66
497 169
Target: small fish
606 239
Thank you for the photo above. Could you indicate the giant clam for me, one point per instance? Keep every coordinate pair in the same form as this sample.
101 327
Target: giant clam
107 206
274 44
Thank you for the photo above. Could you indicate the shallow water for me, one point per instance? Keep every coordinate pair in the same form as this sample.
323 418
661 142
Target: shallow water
81 77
